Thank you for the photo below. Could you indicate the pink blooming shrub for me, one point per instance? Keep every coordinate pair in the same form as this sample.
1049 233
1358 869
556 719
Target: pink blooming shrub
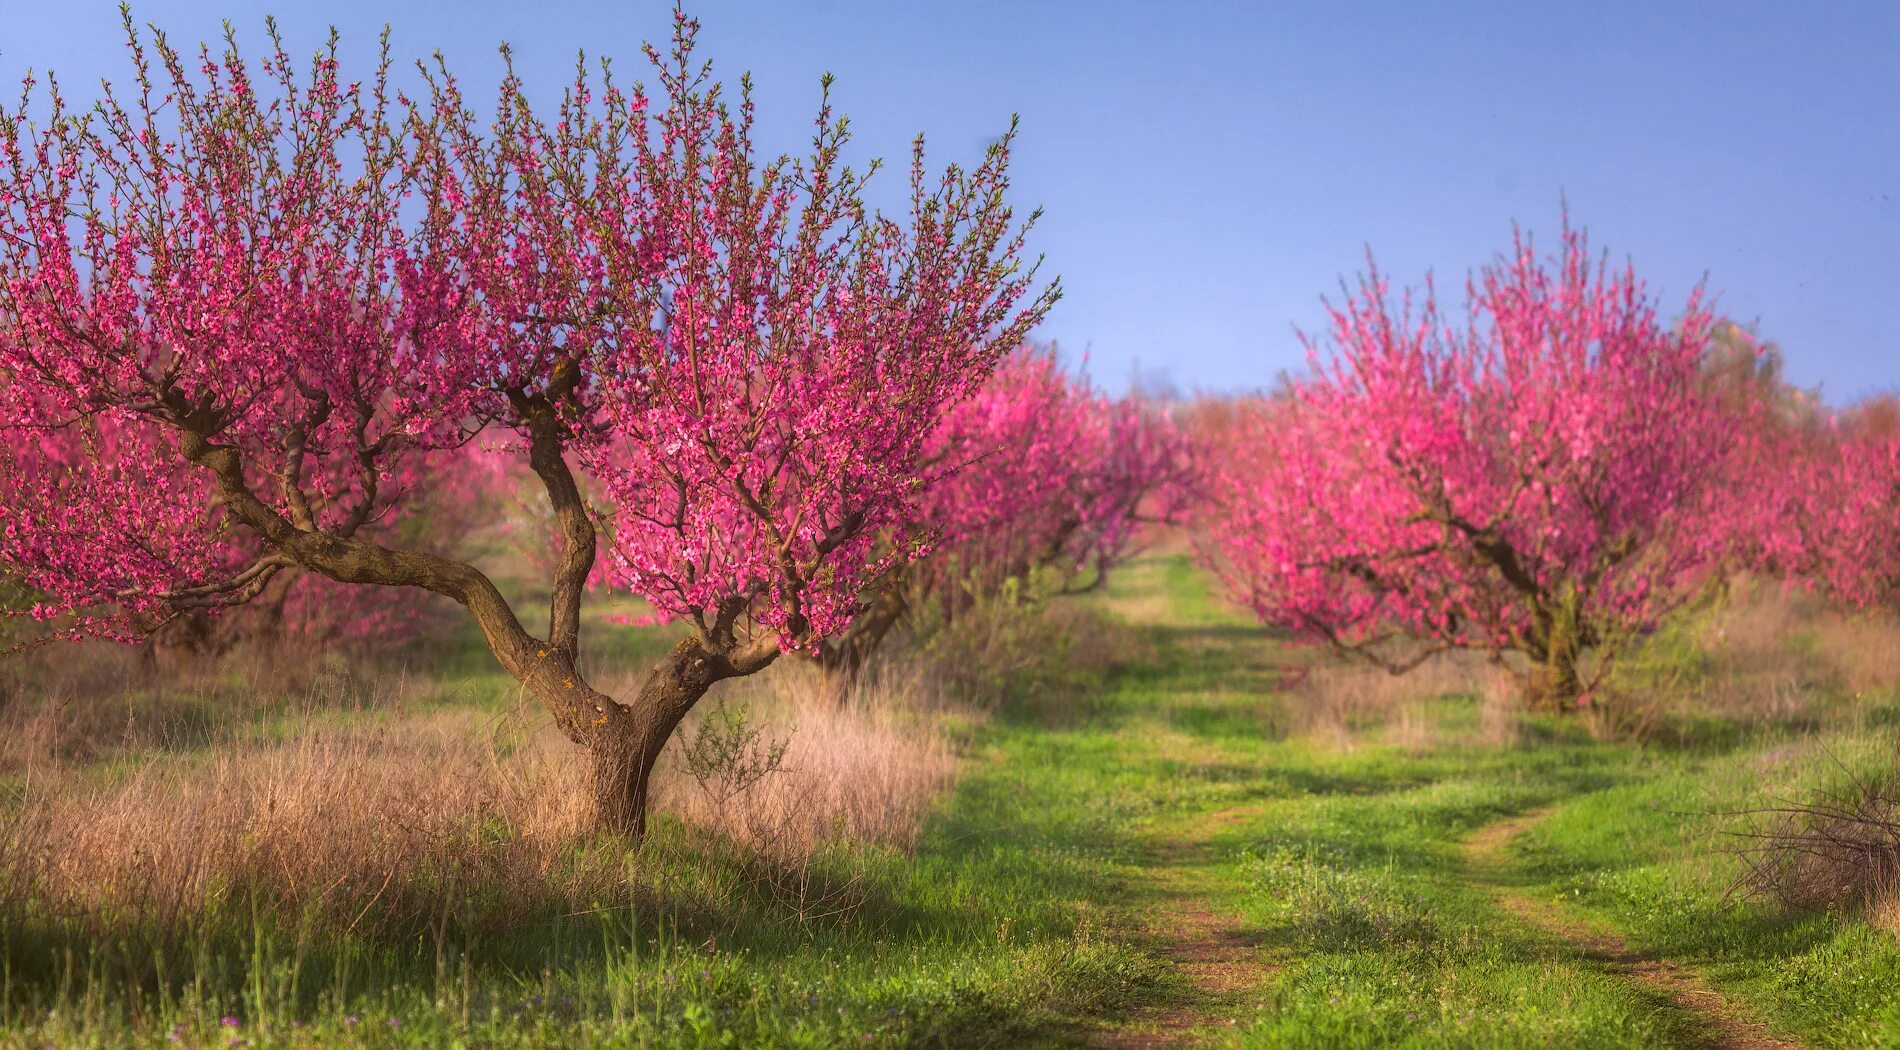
236 308
1545 478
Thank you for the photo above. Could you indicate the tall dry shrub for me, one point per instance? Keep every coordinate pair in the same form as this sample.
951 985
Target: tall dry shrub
1839 848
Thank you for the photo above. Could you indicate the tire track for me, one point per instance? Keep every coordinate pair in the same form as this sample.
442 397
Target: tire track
1488 868
1219 958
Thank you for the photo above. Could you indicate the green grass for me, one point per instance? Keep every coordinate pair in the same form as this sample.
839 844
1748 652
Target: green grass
1648 857
1352 879
1018 919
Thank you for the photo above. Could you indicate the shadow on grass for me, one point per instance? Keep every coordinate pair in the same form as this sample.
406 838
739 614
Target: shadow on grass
685 890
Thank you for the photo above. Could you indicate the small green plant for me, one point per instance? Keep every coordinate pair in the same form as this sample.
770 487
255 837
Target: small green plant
14 600
728 753
998 640
1654 674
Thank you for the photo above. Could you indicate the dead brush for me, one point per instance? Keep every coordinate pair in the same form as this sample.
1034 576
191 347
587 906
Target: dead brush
1839 849
1861 653
1338 703
780 767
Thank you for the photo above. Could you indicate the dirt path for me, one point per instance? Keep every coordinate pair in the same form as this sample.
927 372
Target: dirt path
1488 867
1212 950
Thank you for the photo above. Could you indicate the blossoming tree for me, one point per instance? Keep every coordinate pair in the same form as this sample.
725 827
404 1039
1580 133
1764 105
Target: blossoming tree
243 302
1825 511
1543 479
1817 490
1039 471
1858 521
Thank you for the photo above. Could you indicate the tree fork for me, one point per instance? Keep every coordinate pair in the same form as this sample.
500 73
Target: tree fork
623 741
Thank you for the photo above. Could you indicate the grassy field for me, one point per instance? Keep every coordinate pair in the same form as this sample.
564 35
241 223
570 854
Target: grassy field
1209 838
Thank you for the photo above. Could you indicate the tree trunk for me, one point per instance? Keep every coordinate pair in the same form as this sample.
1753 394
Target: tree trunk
841 661
624 741
622 771
1554 684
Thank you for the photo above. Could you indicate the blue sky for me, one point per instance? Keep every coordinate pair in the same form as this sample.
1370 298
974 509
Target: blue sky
1210 169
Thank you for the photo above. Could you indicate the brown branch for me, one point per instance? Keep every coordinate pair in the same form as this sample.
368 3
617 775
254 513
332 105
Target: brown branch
579 540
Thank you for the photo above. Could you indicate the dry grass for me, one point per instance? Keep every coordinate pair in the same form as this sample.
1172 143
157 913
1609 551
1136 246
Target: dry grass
1413 727
1752 628
80 702
379 828
70 701
1500 712
1751 664
1339 704
1771 651
867 770
1861 653
391 824
1764 656
1884 913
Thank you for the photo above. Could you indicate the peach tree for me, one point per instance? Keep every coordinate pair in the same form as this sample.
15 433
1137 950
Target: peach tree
238 302
1543 476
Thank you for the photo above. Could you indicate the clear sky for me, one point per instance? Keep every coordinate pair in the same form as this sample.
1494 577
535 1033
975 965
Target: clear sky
1210 169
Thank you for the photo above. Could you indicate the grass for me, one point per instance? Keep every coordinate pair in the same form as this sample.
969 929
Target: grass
1353 882
1648 857
1315 818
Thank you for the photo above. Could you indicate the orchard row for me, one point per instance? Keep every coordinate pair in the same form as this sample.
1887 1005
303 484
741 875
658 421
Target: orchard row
269 337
